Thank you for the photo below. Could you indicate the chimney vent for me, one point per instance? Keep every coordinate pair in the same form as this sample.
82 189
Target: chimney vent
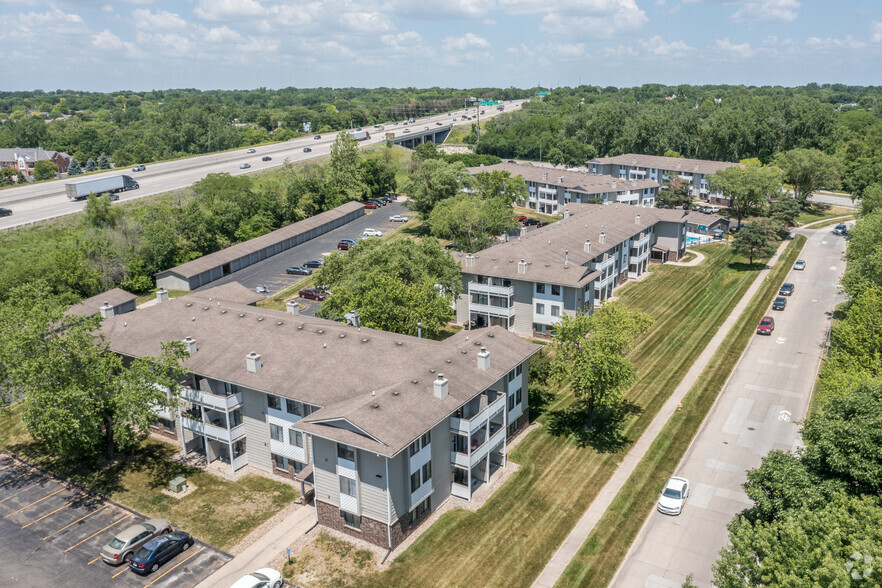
614 185
603 238
695 167
470 260
522 267
523 231
588 246
292 307
106 310
545 176
484 359
637 220
560 179
440 386
678 165
566 214
161 295
566 258
633 161
252 362
633 183
190 344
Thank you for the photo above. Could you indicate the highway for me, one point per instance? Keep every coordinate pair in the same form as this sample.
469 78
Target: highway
47 200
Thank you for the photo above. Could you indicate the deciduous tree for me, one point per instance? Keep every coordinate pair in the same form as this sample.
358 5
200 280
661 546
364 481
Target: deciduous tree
674 192
431 181
748 188
45 170
754 240
343 172
808 170
470 221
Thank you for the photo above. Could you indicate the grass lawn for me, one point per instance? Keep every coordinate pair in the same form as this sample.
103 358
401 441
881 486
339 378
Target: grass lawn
606 546
832 221
546 218
459 132
508 541
817 213
218 512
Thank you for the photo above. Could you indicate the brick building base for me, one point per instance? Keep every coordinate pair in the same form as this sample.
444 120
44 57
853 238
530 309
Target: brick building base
371 530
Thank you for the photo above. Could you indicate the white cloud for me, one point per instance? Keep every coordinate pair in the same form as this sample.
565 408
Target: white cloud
597 18
228 9
743 50
166 43
403 41
109 42
160 20
39 26
488 22
258 45
468 42
433 9
366 22
221 34
876 27
767 11
659 47
832 43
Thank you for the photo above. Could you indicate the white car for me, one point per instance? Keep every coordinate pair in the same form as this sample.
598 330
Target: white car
674 496
397 218
252 150
799 265
263 578
372 233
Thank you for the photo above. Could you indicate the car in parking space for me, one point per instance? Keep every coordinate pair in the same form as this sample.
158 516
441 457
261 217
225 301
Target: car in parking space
766 326
780 303
307 149
159 550
252 150
245 166
262 578
138 168
314 264
450 246
345 244
840 229
391 196
799 265
120 549
266 158
5 212
317 137
786 289
371 205
397 218
530 222
313 294
298 270
674 496
372 233
379 201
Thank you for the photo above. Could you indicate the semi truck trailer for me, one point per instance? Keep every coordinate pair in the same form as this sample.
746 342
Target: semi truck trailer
112 185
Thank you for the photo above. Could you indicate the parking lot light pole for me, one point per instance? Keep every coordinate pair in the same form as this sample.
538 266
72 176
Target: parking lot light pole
419 330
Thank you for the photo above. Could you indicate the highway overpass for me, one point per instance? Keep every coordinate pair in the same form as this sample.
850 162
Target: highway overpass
411 137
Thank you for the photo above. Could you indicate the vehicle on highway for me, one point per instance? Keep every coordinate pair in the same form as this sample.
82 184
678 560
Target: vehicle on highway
799 265
5 212
298 270
406 130
245 166
110 196
307 149
840 229
345 244
372 205
397 218
766 326
120 549
427 128
372 233
262 578
138 168
314 264
266 158
313 294
252 150
674 496
159 550
780 303
317 137
437 124
81 190
786 289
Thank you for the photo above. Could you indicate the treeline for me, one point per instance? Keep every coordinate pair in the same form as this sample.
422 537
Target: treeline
140 127
725 123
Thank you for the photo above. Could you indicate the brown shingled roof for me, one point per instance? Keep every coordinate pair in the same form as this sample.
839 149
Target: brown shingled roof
704 166
90 306
574 181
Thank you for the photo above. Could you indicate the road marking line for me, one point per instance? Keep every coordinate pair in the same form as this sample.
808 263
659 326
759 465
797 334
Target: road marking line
192 555
125 568
45 515
33 503
14 479
787 393
19 492
101 531
782 364
76 521
94 560
7 466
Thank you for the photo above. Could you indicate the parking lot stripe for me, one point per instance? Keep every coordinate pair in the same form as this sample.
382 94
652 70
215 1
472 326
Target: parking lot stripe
35 502
45 515
125 567
94 560
192 555
7 466
77 521
20 491
101 531
14 479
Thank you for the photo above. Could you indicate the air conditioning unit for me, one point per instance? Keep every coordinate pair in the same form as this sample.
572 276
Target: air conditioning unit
179 484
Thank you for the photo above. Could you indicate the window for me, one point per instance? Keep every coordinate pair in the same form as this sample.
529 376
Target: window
511 402
414 448
308 409
345 452
347 486
351 520
540 308
238 448
479 298
235 418
293 406
279 462
555 290
414 481
426 438
520 369
511 375
427 472
518 396
421 508
295 438
540 288
276 433
555 310
273 402
298 467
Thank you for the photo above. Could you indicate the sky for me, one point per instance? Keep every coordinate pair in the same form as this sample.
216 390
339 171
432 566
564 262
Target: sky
106 46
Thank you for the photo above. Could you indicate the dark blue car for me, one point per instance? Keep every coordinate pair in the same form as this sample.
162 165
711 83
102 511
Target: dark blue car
159 550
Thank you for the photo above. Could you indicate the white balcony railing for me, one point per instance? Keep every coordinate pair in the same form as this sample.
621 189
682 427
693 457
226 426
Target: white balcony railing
602 265
468 461
470 425
213 401
192 425
492 310
240 462
627 197
213 431
484 288
460 491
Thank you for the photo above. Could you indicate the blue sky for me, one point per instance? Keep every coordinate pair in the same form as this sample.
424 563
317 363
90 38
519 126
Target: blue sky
208 44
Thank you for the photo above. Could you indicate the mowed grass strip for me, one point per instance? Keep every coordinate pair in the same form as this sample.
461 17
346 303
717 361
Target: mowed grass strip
606 546
509 540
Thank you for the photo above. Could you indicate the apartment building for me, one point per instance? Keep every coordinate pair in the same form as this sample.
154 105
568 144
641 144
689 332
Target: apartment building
550 190
527 283
384 427
634 167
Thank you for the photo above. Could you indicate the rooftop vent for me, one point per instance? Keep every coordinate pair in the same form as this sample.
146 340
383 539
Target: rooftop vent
292 307
190 345
633 183
545 176
484 359
633 161
522 266
560 179
440 386
161 295
587 245
469 260
637 219
566 214
252 362
678 165
602 238
106 310
566 258
523 231
695 167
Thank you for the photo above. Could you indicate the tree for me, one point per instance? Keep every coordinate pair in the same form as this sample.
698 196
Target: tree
8 175
808 170
674 192
753 240
499 184
91 165
103 162
343 172
431 182
100 213
864 255
748 188
871 201
393 285
378 176
45 170
473 223
591 353
74 168
784 211
79 398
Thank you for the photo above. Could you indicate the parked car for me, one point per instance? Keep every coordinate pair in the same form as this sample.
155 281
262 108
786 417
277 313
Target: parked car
345 244
5 212
307 149
391 196
313 294
314 264
840 229
298 270
397 218
317 137
786 289
377 201
252 150
262 578
541 224
159 550
521 218
266 158
371 205
766 326
674 496
245 166
530 222
450 246
780 303
120 549
372 233
138 168
799 265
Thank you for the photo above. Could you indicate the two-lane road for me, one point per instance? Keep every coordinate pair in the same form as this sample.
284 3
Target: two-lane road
769 389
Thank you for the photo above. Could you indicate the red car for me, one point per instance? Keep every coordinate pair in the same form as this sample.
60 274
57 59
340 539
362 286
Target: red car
521 218
370 206
345 244
766 326
313 294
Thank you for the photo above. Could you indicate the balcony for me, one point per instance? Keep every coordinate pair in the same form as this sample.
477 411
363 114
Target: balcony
461 491
213 401
480 447
240 462
213 431
468 425
485 288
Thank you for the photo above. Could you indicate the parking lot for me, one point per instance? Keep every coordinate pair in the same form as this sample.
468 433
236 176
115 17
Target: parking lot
51 534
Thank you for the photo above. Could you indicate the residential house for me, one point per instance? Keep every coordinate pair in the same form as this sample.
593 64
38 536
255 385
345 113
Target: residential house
24 160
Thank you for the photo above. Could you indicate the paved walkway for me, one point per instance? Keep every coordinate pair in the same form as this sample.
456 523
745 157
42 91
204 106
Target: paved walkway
264 550
555 567
699 257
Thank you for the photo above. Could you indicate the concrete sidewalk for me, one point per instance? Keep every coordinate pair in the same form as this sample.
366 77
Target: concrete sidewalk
555 567
264 550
